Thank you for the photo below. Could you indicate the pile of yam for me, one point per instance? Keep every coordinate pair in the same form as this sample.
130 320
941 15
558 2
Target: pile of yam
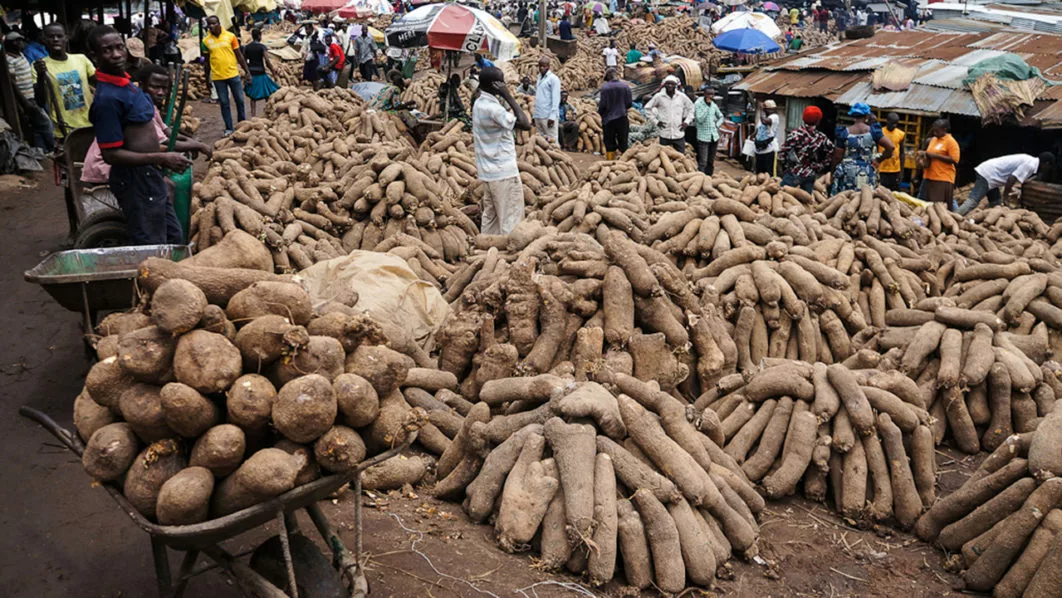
228 388
311 184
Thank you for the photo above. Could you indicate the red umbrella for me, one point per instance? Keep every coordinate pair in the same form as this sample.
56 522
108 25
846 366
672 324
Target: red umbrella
323 5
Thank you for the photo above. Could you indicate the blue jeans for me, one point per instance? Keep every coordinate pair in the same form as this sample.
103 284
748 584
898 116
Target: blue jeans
792 180
236 85
979 191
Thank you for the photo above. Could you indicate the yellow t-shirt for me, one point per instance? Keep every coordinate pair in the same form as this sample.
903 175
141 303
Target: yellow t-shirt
893 163
70 84
794 16
222 55
939 171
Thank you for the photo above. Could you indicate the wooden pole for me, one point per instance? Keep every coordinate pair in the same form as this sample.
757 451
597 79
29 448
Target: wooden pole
542 23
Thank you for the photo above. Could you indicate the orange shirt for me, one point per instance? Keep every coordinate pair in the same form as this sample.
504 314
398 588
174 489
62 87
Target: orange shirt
938 170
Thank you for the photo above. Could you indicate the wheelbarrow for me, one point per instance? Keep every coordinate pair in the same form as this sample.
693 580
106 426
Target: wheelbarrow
287 561
96 280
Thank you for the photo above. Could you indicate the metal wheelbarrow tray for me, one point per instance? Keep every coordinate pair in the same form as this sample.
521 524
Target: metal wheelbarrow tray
205 537
95 280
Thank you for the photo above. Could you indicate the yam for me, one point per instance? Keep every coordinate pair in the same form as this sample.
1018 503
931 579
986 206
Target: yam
152 467
177 306
184 499
305 408
206 361
266 474
110 452
220 449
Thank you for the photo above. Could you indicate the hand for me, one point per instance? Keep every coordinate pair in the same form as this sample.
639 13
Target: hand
174 161
496 88
206 150
40 67
550 123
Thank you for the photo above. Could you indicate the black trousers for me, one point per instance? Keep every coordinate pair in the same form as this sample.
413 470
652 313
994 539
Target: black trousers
616 133
765 163
706 156
367 70
679 144
889 180
142 194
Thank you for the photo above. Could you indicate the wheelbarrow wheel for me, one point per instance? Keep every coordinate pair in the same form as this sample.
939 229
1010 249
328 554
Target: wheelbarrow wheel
314 574
106 232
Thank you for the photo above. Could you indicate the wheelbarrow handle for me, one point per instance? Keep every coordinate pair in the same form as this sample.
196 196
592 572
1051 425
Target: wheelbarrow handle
71 440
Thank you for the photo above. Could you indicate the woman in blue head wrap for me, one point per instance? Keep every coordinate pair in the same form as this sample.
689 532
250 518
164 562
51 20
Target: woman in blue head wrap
854 156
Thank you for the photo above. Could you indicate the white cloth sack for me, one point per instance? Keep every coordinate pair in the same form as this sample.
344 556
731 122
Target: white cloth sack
387 289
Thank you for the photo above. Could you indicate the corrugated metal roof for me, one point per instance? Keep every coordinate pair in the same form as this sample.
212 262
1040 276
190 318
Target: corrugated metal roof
942 75
943 60
918 98
1050 117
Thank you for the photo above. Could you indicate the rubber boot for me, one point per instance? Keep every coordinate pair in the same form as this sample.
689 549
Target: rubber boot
610 155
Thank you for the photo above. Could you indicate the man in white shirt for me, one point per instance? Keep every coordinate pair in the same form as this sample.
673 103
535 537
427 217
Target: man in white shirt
495 148
861 17
547 101
673 112
1004 172
611 55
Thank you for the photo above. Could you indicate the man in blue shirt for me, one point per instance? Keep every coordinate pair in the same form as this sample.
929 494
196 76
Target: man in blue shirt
122 115
547 101
566 28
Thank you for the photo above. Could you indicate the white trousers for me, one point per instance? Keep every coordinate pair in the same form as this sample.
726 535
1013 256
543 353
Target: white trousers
503 206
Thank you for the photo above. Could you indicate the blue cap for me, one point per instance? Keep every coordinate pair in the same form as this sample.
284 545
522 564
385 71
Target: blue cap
859 109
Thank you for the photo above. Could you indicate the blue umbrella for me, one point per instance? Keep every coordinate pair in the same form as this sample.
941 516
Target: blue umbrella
746 41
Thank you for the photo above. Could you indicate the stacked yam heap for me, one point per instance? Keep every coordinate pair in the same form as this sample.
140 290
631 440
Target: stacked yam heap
625 379
230 388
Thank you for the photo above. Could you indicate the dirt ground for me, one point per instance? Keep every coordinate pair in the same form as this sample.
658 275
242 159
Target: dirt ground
63 537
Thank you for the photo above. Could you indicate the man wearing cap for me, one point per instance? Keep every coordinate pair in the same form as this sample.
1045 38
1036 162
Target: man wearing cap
806 152
766 139
1003 173
707 116
22 78
672 112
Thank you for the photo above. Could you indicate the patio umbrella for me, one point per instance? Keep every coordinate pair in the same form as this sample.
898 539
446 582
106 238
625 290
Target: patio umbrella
745 41
771 6
453 27
598 7
747 20
364 9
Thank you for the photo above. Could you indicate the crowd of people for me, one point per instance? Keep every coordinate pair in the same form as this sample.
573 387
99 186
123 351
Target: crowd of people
867 153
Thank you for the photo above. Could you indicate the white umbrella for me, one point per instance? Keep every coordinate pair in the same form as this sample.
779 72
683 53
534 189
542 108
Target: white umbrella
747 20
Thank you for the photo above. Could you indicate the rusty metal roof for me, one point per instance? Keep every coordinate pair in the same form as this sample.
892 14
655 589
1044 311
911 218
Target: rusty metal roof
1050 117
843 72
800 84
